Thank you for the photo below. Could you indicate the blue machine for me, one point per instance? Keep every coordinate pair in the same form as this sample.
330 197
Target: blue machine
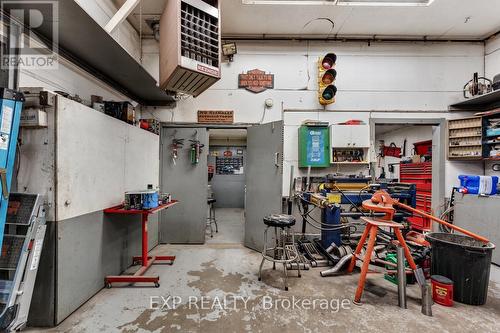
332 214
11 104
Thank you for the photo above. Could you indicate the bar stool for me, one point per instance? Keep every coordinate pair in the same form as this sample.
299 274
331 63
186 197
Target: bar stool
211 216
371 229
282 253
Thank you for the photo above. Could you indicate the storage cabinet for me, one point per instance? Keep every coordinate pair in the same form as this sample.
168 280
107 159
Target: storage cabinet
419 174
350 136
350 144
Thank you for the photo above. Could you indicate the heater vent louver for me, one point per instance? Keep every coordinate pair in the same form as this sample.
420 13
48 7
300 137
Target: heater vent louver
189 46
199 35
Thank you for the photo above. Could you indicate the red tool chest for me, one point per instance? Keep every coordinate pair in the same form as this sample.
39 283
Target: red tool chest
421 175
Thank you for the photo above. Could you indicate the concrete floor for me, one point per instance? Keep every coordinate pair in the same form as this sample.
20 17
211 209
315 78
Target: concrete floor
223 268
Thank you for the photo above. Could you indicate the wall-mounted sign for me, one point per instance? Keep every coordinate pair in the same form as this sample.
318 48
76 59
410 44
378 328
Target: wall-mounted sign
228 153
215 117
256 81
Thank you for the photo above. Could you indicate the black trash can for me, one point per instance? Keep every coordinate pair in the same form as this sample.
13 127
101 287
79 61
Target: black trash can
464 260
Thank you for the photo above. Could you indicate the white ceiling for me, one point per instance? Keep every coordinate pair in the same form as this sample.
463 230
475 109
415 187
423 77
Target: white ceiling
443 19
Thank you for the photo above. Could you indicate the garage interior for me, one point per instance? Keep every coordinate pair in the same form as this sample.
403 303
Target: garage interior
249 166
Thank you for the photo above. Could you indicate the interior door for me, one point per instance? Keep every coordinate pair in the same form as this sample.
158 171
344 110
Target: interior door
187 182
264 178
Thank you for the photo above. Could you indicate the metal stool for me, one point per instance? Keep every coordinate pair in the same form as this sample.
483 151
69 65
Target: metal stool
211 216
282 253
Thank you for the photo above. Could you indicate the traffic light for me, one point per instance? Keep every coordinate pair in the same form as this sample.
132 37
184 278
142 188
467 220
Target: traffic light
326 78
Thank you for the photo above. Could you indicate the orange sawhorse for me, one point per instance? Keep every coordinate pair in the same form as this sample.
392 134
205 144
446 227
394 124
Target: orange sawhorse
371 229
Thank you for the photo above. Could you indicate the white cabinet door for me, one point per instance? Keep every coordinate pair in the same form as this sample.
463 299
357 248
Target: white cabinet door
360 136
341 136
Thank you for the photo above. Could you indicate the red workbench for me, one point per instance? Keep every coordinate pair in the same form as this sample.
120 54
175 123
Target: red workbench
145 260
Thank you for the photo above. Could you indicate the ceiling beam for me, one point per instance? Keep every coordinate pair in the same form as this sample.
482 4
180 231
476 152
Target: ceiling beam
121 15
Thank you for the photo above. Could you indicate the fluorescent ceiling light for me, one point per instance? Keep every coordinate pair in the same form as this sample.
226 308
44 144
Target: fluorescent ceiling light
341 2
384 2
289 2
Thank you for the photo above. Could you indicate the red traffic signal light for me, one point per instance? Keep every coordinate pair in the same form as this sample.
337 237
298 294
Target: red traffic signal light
326 78
329 61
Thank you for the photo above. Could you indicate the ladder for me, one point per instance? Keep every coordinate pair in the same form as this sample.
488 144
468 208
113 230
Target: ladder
22 246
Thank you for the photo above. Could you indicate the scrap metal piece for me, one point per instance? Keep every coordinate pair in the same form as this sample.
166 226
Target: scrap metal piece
302 264
427 300
336 269
401 277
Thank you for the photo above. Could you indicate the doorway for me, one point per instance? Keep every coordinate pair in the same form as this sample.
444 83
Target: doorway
227 158
414 153
260 164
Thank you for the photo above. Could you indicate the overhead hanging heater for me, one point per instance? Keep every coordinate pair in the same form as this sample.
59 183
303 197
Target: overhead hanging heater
190 46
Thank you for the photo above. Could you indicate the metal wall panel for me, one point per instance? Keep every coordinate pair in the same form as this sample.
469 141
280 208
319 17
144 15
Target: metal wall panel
90 247
112 157
264 176
42 309
480 215
184 223
83 246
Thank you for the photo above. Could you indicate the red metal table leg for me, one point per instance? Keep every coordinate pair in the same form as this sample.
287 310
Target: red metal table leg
145 260
144 240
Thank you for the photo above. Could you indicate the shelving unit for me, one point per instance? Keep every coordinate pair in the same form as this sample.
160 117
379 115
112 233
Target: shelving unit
465 139
491 140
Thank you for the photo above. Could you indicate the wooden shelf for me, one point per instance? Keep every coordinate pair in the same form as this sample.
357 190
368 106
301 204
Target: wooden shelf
465 158
459 146
466 136
465 127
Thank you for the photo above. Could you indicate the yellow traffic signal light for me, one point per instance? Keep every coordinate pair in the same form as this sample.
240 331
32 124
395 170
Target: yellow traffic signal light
326 78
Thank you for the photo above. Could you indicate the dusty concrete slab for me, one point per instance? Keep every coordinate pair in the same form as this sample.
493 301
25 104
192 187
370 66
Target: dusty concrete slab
228 273
215 289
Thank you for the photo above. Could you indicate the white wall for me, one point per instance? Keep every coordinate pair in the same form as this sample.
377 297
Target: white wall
492 65
412 134
383 80
382 77
492 57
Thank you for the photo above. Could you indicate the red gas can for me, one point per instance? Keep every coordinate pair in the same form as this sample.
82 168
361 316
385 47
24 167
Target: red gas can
442 290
